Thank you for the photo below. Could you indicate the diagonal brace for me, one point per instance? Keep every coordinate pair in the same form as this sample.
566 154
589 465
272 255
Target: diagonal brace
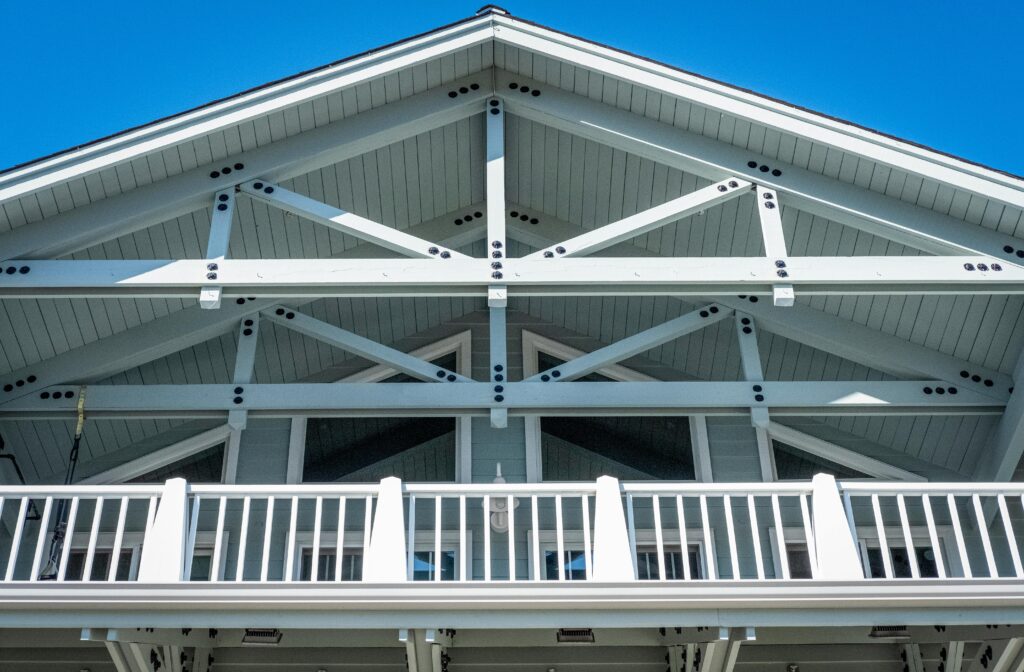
648 220
346 222
361 346
634 345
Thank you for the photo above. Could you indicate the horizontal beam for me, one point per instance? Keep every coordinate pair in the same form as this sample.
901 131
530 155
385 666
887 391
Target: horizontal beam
346 222
192 190
813 193
306 278
361 346
615 398
647 220
633 345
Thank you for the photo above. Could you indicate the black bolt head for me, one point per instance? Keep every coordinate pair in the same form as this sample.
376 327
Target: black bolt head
239 166
268 190
498 377
23 270
222 207
239 390
499 398
247 332
257 185
446 255
237 400
499 388
757 388
704 313
758 397
556 373
211 276
451 378
497 275
776 172
560 249
548 254
499 367
769 205
545 377
432 250
290 316
495 264
440 374
782 273
222 198
211 267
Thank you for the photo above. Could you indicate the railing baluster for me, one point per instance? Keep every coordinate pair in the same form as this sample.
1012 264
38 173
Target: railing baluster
463 550
318 517
115 552
437 538
268 528
883 542
755 535
560 539
781 538
511 538
90 553
631 530
487 537
339 541
659 539
587 549
37 558
734 559
150 516
190 544
933 536
986 543
908 539
65 552
536 538
289 561
410 553
708 551
16 539
958 532
243 539
809 536
1011 538
684 546
218 539
367 526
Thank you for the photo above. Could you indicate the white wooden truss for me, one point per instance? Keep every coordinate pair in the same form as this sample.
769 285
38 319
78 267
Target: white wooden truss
237 294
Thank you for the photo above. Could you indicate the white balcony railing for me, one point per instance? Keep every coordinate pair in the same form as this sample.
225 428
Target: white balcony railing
560 532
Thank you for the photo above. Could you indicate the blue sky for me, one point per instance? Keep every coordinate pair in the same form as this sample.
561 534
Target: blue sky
942 73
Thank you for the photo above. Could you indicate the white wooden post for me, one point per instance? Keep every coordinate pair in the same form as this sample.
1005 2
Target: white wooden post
163 550
833 540
385 558
612 556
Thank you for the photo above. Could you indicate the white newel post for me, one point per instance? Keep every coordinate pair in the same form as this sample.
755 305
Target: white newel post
163 549
385 558
836 548
613 560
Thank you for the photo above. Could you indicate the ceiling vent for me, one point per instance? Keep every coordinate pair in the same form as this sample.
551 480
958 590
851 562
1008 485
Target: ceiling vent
575 636
261 637
889 632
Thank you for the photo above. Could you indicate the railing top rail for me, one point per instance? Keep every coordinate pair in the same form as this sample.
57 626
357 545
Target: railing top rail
286 490
908 488
454 489
693 488
66 491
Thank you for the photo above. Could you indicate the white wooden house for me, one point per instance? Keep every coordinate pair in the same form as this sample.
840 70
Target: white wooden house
498 349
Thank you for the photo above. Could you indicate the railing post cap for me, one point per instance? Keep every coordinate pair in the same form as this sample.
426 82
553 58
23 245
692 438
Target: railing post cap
606 479
823 479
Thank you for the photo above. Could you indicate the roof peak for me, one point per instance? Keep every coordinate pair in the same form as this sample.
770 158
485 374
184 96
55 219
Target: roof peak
492 9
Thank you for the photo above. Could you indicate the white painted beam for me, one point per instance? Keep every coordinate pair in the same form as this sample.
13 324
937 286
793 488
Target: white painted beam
647 220
753 372
839 455
346 222
497 294
217 245
361 346
714 276
179 330
714 160
954 659
160 458
245 363
615 398
633 345
1006 446
770 215
175 196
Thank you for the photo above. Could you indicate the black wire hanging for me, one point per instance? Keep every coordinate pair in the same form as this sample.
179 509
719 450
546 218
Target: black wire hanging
50 571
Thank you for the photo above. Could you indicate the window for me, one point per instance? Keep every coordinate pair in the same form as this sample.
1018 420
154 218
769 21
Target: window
351 565
799 561
647 563
871 556
101 565
574 565
424 567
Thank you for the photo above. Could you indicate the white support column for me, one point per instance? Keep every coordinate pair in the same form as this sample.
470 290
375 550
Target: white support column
837 556
954 658
750 359
385 560
296 450
721 655
245 360
634 345
346 222
613 559
217 246
770 214
361 346
647 220
497 294
163 549
701 448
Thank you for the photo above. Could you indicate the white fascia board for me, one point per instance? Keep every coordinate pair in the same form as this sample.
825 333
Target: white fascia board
615 398
715 276
184 328
260 102
192 190
758 109
715 160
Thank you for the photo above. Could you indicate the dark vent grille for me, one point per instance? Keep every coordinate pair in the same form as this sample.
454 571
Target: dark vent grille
261 637
567 635
889 632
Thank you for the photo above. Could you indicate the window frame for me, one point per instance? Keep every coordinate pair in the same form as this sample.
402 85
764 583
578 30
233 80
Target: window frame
355 539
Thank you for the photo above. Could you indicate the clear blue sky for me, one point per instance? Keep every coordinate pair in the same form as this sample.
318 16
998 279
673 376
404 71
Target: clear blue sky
947 74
